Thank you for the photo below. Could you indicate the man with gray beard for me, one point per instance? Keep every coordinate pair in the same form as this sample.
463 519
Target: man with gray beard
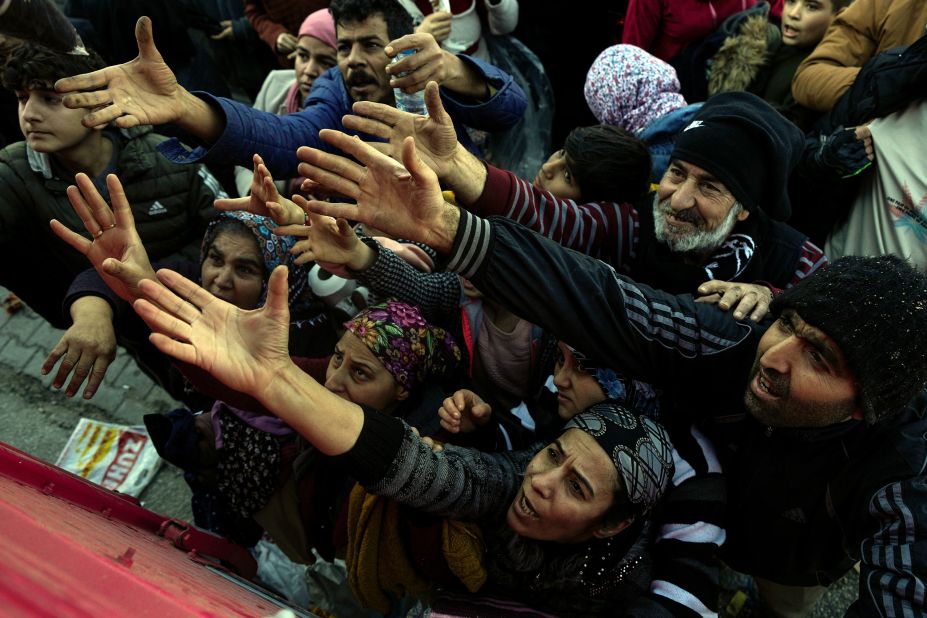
713 225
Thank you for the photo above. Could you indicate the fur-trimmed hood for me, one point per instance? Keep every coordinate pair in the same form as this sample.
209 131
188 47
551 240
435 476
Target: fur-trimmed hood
741 56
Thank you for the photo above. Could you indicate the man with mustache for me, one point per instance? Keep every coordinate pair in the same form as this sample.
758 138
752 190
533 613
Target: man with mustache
820 416
369 33
715 217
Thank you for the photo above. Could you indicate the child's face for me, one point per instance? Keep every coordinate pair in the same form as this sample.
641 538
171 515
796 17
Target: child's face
46 123
804 22
557 178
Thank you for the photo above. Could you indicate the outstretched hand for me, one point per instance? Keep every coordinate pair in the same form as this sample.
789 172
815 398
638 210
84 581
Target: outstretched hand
328 241
403 200
435 137
264 200
245 350
116 251
141 91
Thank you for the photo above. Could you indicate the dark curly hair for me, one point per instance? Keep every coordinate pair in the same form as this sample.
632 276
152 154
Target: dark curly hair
34 66
608 163
398 21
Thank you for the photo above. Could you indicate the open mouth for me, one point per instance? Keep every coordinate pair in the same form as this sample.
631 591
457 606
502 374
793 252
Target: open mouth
789 31
525 507
764 387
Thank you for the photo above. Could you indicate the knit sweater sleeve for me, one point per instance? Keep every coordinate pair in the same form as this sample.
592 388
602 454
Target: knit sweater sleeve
390 460
606 230
436 294
690 531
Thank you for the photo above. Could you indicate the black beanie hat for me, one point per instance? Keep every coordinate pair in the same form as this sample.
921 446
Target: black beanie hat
875 309
742 141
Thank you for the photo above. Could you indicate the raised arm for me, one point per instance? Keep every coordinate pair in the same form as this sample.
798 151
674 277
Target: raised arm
141 91
116 251
605 230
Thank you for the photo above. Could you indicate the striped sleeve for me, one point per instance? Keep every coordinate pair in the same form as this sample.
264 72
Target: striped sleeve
606 230
893 565
690 520
811 259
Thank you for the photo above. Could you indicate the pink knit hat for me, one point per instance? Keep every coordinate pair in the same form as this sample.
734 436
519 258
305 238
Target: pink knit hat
320 25
629 88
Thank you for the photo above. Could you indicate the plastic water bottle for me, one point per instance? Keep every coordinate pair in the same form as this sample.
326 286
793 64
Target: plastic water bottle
413 103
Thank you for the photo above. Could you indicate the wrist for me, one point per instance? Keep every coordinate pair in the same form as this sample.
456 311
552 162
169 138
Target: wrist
362 257
91 308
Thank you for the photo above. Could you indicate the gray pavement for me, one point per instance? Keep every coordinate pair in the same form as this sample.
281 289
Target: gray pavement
38 419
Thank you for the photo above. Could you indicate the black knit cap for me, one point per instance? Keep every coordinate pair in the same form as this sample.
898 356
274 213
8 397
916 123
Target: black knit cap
875 309
742 141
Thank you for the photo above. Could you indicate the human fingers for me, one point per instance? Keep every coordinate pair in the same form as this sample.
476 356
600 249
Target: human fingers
102 214
731 296
480 413
82 208
100 365
434 104
357 148
292 230
336 209
235 203
434 446
57 352
144 38
81 371
369 126
71 237
176 294
278 290
417 169
122 211
164 324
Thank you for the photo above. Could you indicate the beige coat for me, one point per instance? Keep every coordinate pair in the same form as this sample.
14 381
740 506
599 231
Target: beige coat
858 33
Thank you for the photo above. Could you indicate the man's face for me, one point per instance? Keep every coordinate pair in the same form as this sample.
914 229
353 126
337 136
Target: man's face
693 211
804 22
47 124
362 60
800 378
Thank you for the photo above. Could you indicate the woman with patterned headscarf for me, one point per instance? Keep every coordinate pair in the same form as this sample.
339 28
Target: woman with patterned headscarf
565 525
238 253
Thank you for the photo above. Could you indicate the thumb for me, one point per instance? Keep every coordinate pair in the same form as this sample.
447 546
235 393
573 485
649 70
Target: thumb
277 289
433 104
145 40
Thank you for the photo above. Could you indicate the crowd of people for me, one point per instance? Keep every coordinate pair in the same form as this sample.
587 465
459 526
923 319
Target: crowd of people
694 340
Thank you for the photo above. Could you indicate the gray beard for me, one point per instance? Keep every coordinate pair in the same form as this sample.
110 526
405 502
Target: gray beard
699 241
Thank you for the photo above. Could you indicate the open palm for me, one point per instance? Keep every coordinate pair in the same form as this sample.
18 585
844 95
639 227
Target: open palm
402 199
141 91
116 251
245 350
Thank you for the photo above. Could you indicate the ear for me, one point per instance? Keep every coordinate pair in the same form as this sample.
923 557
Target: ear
743 214
401 393
608 530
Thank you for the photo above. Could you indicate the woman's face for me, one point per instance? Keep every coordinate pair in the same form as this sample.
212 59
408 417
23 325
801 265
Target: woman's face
555 176
356 374
568 487
576 389
234 269
313 57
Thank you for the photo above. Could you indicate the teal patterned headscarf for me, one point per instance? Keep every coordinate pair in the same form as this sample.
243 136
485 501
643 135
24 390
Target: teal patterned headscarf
275 250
